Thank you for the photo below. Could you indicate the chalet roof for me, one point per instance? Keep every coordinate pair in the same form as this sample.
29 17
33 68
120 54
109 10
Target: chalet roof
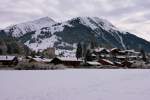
93 55
42 59
94 63
114 49
47 60
130 51
133 56
101 49
105 55
7 58
108 61
29 57
68 59
118 62
121 57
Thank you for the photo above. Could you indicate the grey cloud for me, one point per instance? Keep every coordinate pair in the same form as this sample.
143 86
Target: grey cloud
118 11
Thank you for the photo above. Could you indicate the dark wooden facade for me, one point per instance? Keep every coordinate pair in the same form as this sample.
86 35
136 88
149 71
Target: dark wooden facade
74 63
105 62
10 62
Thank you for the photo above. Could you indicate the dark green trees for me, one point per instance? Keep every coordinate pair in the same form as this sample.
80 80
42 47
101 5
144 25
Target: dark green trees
84 51
10 45
79 51
88 56
143 55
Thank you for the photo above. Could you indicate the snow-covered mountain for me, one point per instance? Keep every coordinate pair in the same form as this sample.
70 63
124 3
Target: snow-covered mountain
23 28
43 33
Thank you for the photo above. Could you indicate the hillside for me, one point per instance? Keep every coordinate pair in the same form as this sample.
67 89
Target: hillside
65 35
9 45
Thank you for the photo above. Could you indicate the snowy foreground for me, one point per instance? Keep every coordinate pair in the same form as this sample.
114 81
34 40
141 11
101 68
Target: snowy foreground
75 84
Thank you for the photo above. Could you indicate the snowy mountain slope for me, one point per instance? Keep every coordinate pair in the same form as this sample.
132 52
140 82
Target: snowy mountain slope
58 27
64 36
81 23
99 26
23 28
95 22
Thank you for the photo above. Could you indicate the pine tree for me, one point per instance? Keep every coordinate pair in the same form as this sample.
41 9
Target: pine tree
1 51
9 49
79 51
88 56
33 54
143 55
85 46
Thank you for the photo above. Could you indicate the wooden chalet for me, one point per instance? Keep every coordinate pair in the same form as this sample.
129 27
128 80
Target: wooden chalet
40 60
92 63
121 58
127 64
66 61
8 60
118 64
105 62
115 51
49 53
101 53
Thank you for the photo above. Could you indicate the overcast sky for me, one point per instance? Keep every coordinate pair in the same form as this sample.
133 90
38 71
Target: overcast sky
130 15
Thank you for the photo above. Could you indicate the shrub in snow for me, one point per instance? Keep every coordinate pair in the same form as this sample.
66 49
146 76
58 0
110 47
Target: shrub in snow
109 67
59 66
37 66
140 64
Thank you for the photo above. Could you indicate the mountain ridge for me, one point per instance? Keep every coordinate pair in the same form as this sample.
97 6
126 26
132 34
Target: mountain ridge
65 35
18 30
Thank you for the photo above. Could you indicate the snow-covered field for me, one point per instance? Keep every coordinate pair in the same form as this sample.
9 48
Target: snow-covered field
75 84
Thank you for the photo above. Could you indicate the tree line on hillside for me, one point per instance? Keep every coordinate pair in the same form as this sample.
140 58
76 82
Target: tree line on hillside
9 45
84 50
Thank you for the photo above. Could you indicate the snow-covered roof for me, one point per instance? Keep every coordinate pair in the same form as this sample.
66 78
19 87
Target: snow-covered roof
66 53
121 57
29 56
114 49
118 62
108 61
101 49
42 59
93 63
47 60
68 59
93 55
129 51
105 55
7 58
133 56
